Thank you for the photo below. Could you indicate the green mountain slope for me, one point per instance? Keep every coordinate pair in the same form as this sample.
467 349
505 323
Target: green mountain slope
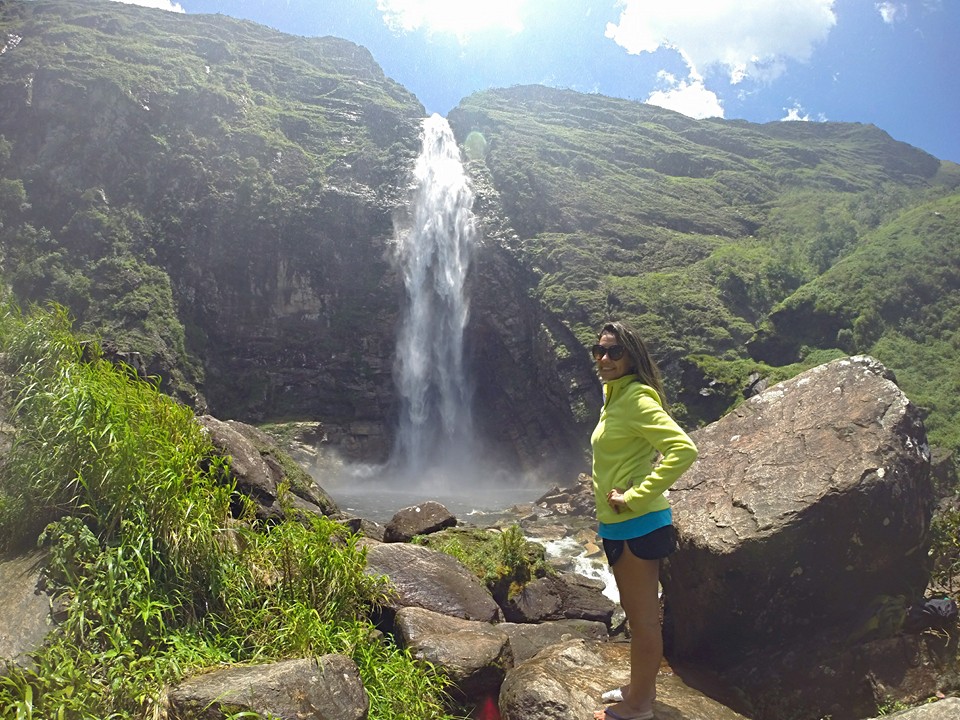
156 163
219 196
895 296
697 230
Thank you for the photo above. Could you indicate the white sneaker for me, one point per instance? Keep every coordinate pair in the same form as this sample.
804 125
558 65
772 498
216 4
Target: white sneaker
613 696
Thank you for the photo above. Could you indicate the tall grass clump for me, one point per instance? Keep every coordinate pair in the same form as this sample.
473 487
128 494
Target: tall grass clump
131 502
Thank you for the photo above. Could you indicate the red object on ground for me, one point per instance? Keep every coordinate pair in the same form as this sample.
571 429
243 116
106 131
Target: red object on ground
487 710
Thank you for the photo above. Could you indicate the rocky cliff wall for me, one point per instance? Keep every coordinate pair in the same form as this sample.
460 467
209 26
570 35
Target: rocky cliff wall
254 177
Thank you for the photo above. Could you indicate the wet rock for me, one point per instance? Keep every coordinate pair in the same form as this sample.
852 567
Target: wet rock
423 519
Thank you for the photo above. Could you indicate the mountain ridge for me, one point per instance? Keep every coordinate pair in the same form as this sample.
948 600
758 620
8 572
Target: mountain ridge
219 196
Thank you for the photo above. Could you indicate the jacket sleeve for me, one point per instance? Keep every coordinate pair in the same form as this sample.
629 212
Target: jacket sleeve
651 422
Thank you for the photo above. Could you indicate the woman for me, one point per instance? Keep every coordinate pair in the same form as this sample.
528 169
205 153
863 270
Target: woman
634 517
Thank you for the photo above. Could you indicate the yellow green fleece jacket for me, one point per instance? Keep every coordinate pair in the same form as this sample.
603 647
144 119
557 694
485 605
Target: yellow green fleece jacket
633 427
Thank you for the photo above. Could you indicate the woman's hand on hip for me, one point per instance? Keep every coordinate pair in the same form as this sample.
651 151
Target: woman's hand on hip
616 501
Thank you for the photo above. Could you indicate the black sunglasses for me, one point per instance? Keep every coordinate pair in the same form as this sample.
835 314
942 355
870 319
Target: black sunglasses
614 352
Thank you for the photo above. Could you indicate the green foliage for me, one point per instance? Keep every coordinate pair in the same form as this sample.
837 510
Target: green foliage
504 560
896 297
722 239
945 548
180 153
156 577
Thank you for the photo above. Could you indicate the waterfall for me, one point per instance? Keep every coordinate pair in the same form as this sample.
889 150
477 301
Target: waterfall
434 241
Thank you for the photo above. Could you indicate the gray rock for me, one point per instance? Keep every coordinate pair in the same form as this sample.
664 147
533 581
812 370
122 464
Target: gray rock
422 519
24 609
555 597
259 465
472 654
527 639
565 681
808 502
432 580
822 678
328 688
370 529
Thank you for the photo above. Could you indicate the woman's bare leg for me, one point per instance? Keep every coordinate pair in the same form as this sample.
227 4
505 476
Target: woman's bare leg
638 583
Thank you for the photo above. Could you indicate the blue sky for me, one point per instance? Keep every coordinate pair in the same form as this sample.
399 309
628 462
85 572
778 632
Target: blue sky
892 63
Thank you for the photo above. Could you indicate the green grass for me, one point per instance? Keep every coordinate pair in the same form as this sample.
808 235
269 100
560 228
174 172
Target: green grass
504 560
121 486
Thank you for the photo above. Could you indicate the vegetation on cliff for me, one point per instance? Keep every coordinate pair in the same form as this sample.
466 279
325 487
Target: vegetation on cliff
161 171
217 196
735 248
155 577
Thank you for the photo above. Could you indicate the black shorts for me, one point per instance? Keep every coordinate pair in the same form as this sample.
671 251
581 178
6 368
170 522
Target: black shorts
652 546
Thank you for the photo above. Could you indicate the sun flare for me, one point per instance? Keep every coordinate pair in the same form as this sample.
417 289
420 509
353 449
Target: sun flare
462 18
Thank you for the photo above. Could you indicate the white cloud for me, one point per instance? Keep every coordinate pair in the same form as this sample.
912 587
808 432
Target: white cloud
158 4
891 11
459 17
747 38
689 97
798 114
795 114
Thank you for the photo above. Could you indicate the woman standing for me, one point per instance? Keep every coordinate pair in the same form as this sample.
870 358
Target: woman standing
635 521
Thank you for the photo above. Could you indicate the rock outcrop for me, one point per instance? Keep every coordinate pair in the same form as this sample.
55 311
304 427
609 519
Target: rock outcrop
808 510
259 466
432 580
327 688
566 680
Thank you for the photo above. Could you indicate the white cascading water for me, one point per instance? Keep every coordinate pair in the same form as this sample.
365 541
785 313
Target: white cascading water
434 244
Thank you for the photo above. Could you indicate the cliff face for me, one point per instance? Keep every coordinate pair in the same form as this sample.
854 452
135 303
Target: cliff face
219 197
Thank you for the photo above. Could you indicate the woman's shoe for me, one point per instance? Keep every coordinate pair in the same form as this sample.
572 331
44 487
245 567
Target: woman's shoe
611 715
613 696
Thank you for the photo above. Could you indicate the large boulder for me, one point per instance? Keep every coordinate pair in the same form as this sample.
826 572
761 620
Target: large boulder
555 597
566 680
430 579
328 688
472 654
259 466
423 519
809 506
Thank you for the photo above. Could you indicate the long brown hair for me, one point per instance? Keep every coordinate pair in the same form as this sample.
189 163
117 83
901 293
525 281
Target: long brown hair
643 365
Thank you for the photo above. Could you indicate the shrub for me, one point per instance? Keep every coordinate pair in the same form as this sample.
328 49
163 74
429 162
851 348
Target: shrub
128 496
